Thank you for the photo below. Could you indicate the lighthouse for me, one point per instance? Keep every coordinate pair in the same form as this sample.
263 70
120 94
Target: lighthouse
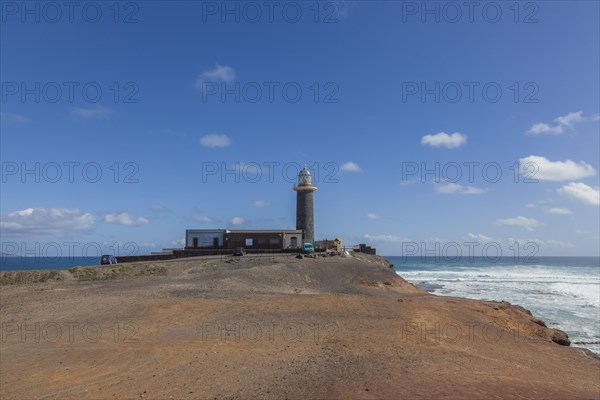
305 218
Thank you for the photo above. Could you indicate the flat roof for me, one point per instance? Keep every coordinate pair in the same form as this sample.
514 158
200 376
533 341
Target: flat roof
248 230
205 230
264 231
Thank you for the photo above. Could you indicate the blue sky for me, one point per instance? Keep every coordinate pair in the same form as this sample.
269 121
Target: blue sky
167 95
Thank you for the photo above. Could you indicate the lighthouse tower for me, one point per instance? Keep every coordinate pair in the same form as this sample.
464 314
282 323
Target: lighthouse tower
305 218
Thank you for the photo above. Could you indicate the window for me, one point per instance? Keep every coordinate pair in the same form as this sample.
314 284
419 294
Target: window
274 241
248 242
195 242
294 242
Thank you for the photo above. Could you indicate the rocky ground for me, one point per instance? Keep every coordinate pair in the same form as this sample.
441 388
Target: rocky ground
272 327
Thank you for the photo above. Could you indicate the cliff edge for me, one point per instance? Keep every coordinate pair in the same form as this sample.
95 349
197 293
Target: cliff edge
272 327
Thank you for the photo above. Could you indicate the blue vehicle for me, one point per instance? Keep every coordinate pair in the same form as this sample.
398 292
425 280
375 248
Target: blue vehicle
308 248
108 259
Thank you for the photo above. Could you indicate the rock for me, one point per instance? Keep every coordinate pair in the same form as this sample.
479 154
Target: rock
560 337
539 322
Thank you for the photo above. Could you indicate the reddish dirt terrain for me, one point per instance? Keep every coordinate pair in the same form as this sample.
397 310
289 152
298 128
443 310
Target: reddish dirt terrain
273 327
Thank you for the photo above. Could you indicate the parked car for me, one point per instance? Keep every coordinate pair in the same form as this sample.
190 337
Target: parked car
107 259
239 251
308 248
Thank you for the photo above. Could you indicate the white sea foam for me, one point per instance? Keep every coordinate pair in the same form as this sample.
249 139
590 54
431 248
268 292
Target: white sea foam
565 297
588 293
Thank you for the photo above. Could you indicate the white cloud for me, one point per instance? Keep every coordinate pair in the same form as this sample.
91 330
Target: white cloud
511 241
520 221
478 237
570 119
13 119
215 140
542 243
91 112
341 8
559 211
559 244
455 188
372 216
350 167
562 122
46 221
178 242
529 205
442 139
124 219
237 221
538 167
202 218
260 203
581 192
545 129
221 73
386 238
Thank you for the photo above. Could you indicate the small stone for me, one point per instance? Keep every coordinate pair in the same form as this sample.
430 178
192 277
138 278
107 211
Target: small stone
560 337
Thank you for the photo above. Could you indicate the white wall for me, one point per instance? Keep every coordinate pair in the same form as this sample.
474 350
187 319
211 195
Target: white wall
205 237
287 239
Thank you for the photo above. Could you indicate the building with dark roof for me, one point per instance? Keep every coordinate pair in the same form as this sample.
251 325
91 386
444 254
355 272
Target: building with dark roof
266 239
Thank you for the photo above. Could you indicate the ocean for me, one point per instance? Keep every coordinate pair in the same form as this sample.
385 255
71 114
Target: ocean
562 291
29 263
